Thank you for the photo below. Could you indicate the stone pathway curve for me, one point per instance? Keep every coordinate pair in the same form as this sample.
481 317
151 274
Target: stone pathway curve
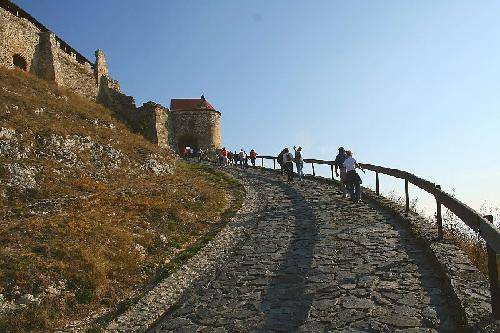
317 263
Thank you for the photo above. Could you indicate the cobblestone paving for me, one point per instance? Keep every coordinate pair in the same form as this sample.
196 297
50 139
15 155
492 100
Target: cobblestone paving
317 263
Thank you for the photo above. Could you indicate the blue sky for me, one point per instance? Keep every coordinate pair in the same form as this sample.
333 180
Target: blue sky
413 85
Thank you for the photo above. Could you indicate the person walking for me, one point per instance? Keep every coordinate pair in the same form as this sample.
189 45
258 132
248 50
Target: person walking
339 166
225 157
279 159
184 152
199 153
353 180
235 158
247 157
299 162
241 157
288 164
253 156
221 157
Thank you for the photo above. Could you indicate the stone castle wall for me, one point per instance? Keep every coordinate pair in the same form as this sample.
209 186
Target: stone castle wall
46 55
77 77
17 36
153 122
49 57
198 128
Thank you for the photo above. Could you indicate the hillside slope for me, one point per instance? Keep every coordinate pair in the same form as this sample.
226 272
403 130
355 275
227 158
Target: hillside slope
88 210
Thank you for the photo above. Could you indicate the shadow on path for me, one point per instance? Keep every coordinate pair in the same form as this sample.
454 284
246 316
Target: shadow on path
286 303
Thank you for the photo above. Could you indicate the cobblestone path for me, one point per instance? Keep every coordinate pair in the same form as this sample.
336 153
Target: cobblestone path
317 263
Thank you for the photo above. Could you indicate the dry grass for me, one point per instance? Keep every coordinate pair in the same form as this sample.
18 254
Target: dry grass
456 231
89 236
469 241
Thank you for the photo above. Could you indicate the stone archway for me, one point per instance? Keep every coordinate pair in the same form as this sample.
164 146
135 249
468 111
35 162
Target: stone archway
187 140
19 62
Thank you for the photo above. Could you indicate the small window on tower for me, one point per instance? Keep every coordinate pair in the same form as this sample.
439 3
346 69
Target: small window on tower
19 61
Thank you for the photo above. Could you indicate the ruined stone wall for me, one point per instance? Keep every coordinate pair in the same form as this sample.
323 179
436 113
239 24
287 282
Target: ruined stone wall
123 105
75 76
17 36
101 67
201 128
46 55
152 122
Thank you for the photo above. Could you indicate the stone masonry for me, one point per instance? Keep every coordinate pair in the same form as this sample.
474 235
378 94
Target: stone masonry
194 123
45 54
300 257
318 263
27 44
153 122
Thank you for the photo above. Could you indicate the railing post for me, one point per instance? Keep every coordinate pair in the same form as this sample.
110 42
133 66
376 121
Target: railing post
407 197
493 264
331 166
439 217
377 184
314 173
262 161
274 164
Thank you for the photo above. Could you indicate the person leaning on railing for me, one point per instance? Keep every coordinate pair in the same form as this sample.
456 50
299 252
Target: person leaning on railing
279 159
299 161
253 156
339 164
288 164
353 181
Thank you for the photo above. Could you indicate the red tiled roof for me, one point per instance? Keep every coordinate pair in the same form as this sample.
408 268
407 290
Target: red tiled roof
190 104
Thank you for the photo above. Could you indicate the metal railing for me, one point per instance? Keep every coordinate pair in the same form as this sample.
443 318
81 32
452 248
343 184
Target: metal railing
483 225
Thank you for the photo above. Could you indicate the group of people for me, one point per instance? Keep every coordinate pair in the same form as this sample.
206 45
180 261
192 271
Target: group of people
190 152
344 163
349 179
240 159
286 160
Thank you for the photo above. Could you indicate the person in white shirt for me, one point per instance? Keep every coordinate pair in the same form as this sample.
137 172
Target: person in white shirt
299 161
241 157
353 181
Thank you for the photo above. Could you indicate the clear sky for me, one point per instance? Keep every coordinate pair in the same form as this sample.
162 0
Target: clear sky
413 85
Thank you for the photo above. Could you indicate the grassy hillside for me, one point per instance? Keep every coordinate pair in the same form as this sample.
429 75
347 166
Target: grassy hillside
89 211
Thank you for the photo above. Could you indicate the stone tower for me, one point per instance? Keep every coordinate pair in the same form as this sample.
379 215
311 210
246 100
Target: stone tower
194 123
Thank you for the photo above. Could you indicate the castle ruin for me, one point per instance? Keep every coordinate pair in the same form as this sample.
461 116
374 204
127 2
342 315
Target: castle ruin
27 44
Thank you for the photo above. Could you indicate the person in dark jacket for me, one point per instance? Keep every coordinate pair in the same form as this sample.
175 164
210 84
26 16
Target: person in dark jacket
236 158
279 159
339 166
288 164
